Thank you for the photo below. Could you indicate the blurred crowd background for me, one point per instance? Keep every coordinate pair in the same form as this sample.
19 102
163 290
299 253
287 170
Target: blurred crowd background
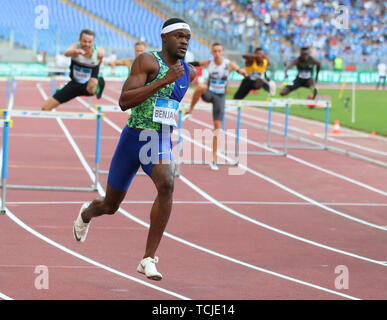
343 35
353 30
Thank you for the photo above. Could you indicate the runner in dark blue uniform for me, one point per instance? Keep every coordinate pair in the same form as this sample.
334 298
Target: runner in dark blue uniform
153 90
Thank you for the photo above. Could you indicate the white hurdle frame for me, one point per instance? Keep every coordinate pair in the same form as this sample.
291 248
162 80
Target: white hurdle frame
317 104
270 104
287 103
236 152
7 114
6 124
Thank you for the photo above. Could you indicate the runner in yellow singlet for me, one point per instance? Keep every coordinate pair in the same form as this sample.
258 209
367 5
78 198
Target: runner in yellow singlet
255 65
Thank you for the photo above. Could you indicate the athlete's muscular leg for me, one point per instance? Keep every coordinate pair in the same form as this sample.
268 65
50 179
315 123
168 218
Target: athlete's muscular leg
258 84
285 91
244 89
215 139
312 86
104 205
92 86
163 178
202 88
50 103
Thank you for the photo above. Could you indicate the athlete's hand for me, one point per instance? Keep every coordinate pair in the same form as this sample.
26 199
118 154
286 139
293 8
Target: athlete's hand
243 72
80 51
175 72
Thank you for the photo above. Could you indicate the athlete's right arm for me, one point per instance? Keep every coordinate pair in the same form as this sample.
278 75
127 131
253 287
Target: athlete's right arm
291 65
121 62
73 51
145 68
201 63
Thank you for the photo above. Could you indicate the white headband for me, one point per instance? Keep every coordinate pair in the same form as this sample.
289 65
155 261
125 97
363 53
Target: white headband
175 26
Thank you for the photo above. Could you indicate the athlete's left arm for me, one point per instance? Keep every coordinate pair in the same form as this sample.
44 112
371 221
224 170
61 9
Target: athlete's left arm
318 66
192 72
234 67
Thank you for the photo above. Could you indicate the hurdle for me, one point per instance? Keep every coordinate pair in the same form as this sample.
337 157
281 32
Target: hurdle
7 114
270 104
6 124
287 103
317 104
10 86
236 152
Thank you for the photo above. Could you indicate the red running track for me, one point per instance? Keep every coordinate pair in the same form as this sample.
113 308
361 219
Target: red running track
269 233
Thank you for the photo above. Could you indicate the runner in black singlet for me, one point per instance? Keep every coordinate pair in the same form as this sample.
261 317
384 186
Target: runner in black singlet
84 69
305 65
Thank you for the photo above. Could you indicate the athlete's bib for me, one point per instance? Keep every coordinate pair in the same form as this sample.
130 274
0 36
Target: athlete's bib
81 75
217 86
305 74
164 111
255 75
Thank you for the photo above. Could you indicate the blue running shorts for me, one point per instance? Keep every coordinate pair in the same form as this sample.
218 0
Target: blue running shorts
137 148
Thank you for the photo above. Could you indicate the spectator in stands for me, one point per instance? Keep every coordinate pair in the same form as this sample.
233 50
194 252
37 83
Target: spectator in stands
41 57
338 64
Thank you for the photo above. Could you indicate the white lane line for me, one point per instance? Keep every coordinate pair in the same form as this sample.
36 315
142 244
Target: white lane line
37 135
236 261
112 100
141 222
266 226
4 297
350 144
299 160
88 260
289 190
100 190
28 266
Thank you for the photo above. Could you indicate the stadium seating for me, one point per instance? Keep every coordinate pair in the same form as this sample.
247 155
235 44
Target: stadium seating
64 25
283 26
135 20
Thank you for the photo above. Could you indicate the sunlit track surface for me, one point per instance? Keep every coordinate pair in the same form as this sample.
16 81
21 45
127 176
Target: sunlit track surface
234 254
